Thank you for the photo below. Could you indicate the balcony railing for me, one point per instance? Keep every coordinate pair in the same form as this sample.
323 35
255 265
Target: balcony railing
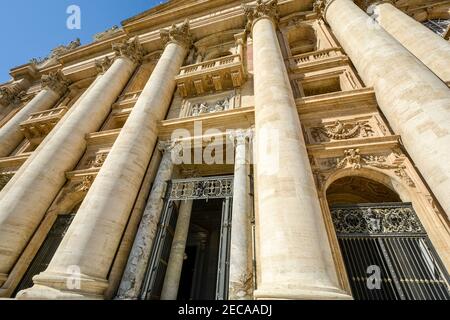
39 124
213 75
306 59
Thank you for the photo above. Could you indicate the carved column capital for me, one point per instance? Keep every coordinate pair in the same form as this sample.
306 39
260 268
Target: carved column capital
130 49
262 9
240 137
10 96
55 81
180 34
103 65
170 146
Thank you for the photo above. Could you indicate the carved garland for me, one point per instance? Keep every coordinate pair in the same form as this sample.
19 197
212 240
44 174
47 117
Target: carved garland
342 131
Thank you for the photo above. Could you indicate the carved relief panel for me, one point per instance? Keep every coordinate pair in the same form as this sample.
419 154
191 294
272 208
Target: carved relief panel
330 130
210 104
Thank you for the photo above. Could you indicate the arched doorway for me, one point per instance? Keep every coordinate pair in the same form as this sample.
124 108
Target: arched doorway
386 251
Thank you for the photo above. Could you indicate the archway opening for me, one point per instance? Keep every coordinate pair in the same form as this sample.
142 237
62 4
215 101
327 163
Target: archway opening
386 251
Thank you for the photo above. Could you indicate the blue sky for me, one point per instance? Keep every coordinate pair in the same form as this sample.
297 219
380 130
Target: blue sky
33 27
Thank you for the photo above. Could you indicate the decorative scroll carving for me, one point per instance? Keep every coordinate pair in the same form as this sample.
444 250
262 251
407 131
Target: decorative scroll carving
56 82
342 131
180 34
262 9
202 108
354 160
107 34
84 185
103 65
130 49
376 219
201 188
240 137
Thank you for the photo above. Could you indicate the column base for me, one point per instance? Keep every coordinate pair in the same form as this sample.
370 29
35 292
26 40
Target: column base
38 292
303 293
64 287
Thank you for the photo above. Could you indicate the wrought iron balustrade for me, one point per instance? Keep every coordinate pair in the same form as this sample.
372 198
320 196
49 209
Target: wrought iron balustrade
201 188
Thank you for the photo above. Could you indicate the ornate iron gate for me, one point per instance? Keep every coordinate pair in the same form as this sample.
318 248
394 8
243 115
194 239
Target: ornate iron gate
388 240
46 251
180 190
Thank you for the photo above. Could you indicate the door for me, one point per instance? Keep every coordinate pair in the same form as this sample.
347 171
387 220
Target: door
387 253
223 268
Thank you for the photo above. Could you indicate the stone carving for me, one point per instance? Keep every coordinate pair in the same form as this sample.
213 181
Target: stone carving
354 160
10 96
5 176
180 34
261 9
56 82
99 160
58 52
130 49
103 65
319 7
84 185
202 108
342 131
242 288
111 32
351 158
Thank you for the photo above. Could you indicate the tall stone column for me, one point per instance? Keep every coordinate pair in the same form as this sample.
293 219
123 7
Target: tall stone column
134 274
177 253
414 100
95 234
53 88
430 48
25 202
294 255
241 274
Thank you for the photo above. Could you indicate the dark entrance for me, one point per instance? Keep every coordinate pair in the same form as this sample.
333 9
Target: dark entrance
46 252
205 268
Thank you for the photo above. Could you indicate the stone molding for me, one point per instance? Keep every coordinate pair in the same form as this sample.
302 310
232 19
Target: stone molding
179 34
129 49
56 82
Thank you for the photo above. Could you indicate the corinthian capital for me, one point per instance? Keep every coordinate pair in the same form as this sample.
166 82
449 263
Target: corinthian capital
56 82
103 65
180 34
130 49
262 9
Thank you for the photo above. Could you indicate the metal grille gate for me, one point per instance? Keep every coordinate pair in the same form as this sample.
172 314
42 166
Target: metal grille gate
180 190
391 239
46 251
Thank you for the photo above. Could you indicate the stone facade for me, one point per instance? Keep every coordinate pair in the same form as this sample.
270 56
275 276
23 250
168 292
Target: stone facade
307 104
